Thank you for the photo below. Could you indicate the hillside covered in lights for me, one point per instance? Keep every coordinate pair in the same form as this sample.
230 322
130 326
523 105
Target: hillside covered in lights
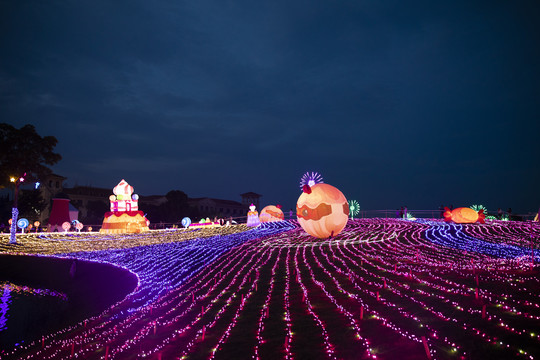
381 289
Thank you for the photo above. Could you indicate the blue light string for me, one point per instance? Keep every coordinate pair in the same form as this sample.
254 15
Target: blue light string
163 267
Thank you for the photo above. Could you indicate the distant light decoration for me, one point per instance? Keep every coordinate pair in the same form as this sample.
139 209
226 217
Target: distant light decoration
79 226
12 179
477 208
66 226
464 215
22 224
204 224
322 210
37 185
354 208
186 222
311 179
37 223
410 216
271 213
253 216
124 216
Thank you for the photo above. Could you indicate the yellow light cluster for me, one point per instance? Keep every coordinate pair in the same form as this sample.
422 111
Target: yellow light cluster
60 243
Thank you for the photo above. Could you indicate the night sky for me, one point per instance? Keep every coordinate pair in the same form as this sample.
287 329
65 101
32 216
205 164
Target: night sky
394 102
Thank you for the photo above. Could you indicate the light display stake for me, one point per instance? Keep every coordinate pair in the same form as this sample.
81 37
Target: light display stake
354 208
13 228
186 222
14 210
23 223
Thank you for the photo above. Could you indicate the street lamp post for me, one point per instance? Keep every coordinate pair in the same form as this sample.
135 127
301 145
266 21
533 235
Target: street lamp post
15 210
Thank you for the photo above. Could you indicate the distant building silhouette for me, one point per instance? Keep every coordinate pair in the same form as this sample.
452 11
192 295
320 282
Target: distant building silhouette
250 198
209 207
81 196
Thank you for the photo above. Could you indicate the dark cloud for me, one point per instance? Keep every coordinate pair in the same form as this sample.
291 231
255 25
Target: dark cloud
416 103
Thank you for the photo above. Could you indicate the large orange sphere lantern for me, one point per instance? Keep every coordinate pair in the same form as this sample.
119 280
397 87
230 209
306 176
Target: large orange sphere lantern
322 210
271 213
464 215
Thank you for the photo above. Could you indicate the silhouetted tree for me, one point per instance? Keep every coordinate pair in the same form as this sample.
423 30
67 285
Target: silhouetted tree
31 204
171 211
24 155
25 151
95 211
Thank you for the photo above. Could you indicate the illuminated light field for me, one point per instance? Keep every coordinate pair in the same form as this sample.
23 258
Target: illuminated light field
386 289
58 243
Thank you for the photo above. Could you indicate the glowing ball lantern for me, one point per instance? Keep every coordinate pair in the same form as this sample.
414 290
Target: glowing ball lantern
22 224
322 210
464 215
271 213
186 222
66 226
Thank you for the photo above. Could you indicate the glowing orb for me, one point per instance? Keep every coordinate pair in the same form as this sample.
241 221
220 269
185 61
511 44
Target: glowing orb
271 213
322 210
23 223
186 222
66 225
464 216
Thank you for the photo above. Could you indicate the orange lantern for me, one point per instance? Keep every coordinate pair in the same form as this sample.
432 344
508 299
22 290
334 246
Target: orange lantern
271 213
464 215
322 210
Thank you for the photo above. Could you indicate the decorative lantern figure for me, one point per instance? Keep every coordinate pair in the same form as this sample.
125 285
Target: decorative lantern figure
253 216
271 213
322 210
464 215
124 216
186 222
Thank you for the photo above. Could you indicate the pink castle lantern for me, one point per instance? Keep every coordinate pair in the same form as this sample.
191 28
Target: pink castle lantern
124 216
123 198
